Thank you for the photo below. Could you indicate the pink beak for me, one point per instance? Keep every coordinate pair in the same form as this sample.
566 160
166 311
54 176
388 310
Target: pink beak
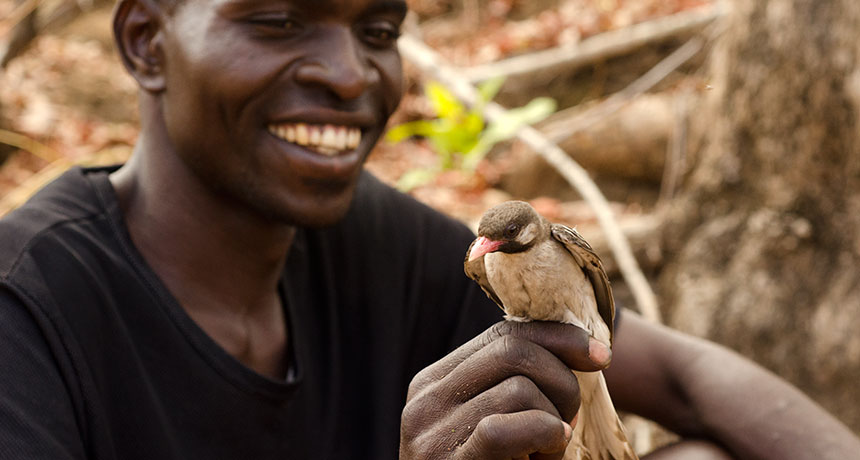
483 246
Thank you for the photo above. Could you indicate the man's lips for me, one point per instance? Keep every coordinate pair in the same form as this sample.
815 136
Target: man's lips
327 139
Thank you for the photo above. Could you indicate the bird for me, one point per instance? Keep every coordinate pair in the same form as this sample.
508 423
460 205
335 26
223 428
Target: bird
537 270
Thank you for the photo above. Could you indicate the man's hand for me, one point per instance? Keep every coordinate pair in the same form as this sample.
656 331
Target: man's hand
507 394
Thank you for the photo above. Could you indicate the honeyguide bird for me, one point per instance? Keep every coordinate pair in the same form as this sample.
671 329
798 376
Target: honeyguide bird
536 270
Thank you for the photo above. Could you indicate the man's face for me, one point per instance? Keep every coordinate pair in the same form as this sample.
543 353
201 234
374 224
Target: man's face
275 104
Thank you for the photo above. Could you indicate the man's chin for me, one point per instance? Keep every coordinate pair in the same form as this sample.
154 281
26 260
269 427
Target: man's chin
317 213
319 220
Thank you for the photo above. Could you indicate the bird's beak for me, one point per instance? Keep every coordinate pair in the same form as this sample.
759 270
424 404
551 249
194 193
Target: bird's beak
483 246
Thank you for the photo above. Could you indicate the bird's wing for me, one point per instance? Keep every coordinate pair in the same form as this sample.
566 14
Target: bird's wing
593 269
476 270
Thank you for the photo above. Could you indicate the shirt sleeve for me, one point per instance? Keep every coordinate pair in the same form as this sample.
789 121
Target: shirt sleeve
37 417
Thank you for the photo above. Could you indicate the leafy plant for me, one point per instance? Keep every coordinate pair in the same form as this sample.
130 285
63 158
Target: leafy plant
461 136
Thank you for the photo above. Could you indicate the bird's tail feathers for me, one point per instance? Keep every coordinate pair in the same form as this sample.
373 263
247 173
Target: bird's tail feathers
598 434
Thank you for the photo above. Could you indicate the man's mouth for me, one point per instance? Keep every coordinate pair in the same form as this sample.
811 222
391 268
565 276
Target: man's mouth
329 140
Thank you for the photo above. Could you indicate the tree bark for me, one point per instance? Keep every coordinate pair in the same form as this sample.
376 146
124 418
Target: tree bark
764 240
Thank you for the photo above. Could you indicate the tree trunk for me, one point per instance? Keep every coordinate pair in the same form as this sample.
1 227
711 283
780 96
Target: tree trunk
764 240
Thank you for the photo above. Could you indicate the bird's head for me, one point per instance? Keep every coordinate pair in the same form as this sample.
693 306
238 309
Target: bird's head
510 227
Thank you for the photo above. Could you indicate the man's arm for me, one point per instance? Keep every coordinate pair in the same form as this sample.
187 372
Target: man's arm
701 390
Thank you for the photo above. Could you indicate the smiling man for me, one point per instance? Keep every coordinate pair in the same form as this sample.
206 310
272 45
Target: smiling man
258 117
242 289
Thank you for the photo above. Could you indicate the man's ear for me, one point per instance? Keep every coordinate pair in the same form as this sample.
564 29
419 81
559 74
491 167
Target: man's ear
137 29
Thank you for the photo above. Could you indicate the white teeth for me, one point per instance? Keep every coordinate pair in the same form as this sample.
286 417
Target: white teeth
302 137
353 138
315 135
328 137
325 139
341 138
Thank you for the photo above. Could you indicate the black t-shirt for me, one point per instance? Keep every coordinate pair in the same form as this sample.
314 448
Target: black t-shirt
98 360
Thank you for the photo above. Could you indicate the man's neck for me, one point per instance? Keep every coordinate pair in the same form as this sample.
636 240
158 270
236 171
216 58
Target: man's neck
207 251
221 262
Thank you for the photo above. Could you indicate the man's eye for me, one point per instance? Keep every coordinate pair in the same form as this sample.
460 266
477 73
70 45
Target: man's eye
382 35
276 22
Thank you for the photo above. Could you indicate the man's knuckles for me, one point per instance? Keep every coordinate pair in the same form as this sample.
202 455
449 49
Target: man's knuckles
514 394
510 353
516 435
567 342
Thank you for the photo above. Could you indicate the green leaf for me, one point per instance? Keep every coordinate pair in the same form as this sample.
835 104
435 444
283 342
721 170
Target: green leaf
462 138
409 129
416 178
443 101
473 124
474 156
490 88
507 125
536 110
443 136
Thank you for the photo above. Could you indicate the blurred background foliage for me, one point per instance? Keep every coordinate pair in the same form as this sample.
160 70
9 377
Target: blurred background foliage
460 135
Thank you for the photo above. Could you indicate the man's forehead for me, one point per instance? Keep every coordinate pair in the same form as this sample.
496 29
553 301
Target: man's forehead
397 6
363 6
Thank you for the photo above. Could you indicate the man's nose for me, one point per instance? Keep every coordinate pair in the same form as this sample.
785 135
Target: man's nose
340 65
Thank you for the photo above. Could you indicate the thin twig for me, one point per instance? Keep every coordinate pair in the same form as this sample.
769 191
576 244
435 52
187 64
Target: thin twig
22 192
22 142
598 47
590 117
675 151
17 15
430 62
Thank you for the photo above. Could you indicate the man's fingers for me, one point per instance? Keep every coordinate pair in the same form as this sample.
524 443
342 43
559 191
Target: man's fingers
508 357
515 436
502 395
568 343
516 394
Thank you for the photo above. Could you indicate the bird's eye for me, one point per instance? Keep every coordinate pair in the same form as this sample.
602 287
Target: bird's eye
512 230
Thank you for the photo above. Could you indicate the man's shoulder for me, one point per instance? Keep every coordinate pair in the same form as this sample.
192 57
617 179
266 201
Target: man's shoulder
47 218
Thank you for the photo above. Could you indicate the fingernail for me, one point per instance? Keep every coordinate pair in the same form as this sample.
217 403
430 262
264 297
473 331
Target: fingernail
568 431
598 352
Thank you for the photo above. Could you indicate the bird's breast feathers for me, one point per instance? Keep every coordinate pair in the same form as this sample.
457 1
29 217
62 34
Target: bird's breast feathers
543 283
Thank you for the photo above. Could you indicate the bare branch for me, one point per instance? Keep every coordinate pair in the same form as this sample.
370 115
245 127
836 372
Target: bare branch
558 132
598 47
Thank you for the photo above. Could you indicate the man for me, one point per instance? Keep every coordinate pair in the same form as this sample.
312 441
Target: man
240 289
